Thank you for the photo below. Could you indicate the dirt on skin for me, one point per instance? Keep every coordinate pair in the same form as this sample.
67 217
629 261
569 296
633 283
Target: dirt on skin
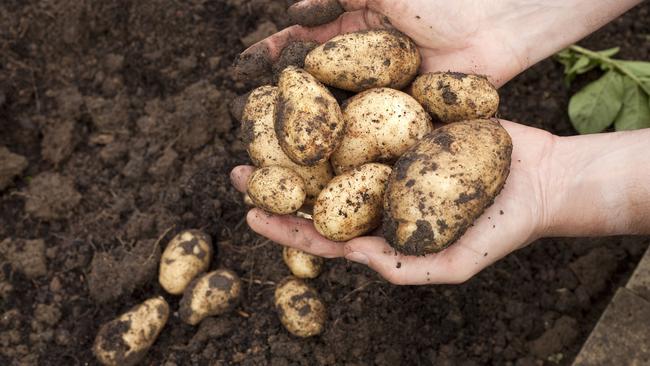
120 110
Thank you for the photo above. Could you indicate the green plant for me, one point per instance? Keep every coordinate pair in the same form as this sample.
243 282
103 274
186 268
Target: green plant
620 96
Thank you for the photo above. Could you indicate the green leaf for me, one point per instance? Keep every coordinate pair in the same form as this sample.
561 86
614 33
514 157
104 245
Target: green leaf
595 107
639 68
580 65
609 52
635 113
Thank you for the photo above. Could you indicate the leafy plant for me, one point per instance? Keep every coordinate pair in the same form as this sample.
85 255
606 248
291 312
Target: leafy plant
621 96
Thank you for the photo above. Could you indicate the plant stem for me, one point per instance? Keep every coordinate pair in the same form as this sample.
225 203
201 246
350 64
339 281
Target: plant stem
613 63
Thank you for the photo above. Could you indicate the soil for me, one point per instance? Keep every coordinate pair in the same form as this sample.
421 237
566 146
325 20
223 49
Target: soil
115 120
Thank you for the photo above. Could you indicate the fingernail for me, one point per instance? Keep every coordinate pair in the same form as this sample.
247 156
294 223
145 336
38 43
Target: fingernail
357 257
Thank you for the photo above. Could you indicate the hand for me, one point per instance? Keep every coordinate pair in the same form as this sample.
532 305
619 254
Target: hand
517 217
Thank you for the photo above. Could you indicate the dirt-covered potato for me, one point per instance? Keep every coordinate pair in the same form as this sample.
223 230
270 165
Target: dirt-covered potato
214 293
300 308
308 120
381 124
125 340
454 96
363 60
302 264
264 148
276 189
187 254
351 203
441 186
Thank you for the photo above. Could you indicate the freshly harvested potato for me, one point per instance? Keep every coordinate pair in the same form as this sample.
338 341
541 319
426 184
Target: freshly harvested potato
381 124
441 186
276 189
363 60
187 254
454 96
264 148
212 294
302 264
351 203
125 340
300 308
308 120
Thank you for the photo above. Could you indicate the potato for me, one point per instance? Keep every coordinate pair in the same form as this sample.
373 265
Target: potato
302 264
300 308
214 293
308 120
187 254
454 96
125 340
381 124
264 148
363 60
276 189
441 186
351 203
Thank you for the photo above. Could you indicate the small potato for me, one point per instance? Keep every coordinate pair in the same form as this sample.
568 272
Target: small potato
351 203
381 124
187 254
264 148
277 190
454 96
212 294
124 341
302 264
441 186
308 120
300 308
366 59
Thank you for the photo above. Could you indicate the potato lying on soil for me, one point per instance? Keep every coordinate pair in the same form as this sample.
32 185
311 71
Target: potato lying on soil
302 264
363 60
187 254
351 203
441 186
264 148
276 189
308 121
124 341
381 124
300 308
214 293
454 96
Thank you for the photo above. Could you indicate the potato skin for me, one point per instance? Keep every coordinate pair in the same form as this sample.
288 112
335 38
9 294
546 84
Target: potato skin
276 189
214 293
454 96
302 264
381 124
363 60
351 203
187 254
441 186
263 146
300 308
308 121
125 340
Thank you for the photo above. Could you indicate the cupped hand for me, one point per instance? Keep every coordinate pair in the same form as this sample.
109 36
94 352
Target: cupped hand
517 217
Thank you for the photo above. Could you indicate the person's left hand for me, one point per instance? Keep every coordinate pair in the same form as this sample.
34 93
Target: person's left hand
517 217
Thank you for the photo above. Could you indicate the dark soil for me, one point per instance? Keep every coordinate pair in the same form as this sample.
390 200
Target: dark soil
121 110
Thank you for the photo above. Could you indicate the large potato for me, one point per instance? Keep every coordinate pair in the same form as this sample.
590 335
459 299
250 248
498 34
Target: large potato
302 264
381 124
212 294
454 96
276 189
301 310
351 203
124 341
363 60
308 120
187 254
438 188
264 148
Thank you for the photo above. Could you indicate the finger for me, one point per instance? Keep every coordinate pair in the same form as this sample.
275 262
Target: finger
311 13
293 232
239 177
